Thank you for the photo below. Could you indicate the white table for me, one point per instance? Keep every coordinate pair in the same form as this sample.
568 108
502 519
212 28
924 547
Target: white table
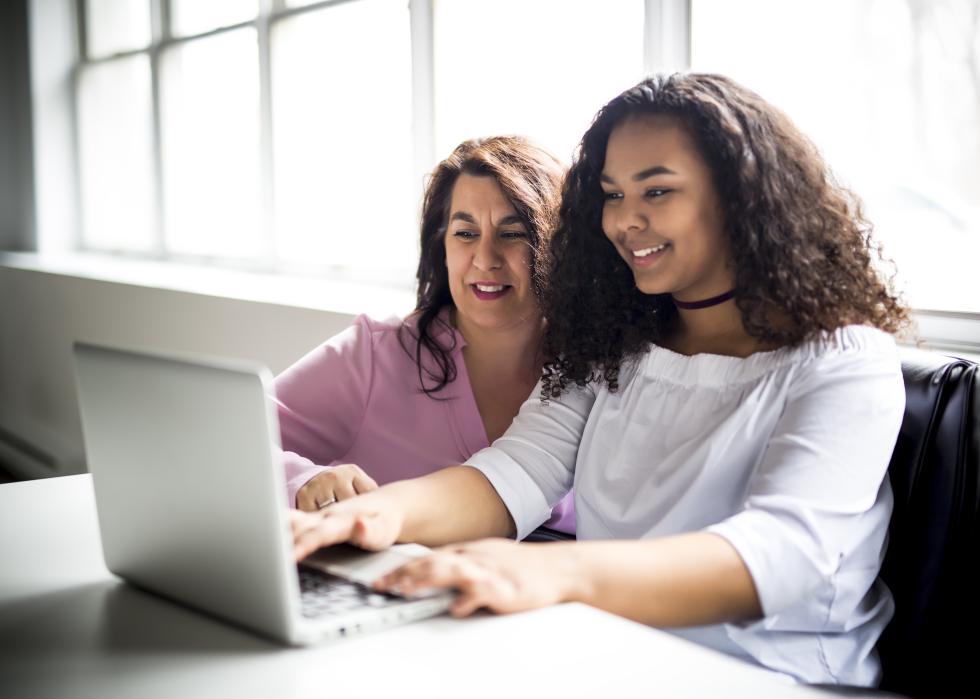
69 628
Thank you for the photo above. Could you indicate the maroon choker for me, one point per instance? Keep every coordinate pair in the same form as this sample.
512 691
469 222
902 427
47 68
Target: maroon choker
706 303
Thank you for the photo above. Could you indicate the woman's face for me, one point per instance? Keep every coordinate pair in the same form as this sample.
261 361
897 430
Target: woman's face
488 256
662 212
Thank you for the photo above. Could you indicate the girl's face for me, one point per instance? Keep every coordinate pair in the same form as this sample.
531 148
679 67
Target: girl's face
662 212
488 257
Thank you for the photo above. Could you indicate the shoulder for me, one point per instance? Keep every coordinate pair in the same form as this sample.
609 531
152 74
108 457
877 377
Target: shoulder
855 360
851 344
382 341
393 341
381 331
856 338
847 351
361 341
379 325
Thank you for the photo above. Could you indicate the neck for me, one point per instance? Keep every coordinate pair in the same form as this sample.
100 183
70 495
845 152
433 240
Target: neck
512 351
705 303
715 330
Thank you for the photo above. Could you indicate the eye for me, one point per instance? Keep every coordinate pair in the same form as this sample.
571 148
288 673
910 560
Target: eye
611 196
657 192
465 234
513 235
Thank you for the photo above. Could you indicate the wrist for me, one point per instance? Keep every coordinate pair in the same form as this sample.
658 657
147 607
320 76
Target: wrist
571 571
389 501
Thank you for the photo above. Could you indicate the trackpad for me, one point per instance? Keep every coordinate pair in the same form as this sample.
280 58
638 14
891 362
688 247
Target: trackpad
360 566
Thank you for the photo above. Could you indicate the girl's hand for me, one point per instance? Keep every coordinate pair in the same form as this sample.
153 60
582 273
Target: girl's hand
366 521
498 574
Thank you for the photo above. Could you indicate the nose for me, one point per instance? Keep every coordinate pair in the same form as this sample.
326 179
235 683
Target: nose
487 255
630 218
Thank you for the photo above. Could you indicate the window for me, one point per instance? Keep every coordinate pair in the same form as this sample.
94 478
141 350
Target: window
115 154
295 134
504 66
343 140
890 92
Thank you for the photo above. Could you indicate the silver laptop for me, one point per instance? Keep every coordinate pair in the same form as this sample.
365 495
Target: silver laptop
191 498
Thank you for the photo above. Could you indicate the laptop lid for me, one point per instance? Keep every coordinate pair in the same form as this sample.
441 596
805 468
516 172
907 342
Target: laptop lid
188 482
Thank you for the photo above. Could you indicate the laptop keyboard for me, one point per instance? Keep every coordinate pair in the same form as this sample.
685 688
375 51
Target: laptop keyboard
322 594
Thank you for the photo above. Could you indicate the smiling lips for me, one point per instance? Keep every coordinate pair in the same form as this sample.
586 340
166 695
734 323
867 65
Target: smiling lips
486 291
647 256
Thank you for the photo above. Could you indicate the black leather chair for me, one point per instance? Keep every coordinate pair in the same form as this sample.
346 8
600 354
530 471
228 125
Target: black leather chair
931 563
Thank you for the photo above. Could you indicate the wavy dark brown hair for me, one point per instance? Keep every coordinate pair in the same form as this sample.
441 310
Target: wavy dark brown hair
801 247
530 177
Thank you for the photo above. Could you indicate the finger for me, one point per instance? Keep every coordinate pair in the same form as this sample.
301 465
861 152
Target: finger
304 498
343 489
300 521
316 502
396 580
480 585
325 494
372 533
495 592
439 570
363 483
327 531
468 602
316 491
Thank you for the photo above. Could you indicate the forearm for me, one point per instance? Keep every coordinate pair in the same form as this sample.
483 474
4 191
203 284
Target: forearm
447 506
686 580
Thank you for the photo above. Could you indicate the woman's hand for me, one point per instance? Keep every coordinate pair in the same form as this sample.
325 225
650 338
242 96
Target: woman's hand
499 574
339 483
368 521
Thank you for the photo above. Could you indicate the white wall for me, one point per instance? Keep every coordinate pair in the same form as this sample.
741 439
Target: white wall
42 313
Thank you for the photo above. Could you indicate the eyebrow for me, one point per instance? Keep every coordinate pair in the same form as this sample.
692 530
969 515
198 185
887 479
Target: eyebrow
468 218
643 174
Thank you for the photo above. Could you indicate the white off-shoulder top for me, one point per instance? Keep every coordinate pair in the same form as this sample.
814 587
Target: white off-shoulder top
783 453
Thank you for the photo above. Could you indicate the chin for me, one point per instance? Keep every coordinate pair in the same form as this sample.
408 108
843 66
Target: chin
650 288
501 321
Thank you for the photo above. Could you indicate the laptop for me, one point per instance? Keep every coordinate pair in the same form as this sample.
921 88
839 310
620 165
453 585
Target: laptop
191 499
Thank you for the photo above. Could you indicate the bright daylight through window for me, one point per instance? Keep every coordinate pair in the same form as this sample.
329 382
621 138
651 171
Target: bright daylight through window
890 92
298 139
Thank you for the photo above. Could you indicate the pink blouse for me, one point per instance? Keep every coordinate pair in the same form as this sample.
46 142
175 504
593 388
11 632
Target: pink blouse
356 399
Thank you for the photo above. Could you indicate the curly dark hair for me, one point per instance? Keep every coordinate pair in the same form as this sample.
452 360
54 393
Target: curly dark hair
530 178
801 247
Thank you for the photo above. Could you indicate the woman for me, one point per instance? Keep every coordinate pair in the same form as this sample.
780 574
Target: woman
393 399
721 387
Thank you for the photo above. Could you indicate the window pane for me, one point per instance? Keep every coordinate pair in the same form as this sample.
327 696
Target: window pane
345 192
194 16
112 26
511 66
890 92
115 155
210 106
